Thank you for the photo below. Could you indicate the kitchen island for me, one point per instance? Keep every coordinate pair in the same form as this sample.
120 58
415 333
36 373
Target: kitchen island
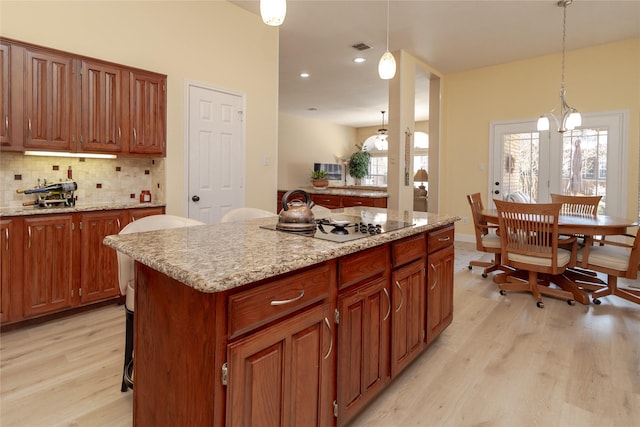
240 325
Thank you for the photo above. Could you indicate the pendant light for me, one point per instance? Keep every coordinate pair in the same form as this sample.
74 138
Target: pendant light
381 141
387 64
273 11
569 117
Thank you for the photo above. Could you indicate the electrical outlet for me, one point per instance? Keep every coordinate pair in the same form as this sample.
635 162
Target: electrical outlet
465 220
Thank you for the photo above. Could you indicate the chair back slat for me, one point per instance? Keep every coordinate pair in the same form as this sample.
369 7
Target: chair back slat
481 229
584 205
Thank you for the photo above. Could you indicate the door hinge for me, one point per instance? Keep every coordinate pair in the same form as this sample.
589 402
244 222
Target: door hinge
225 370
241 114
335 408
336 317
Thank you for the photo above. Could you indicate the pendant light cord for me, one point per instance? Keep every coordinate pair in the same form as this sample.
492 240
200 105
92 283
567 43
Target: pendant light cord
564 37
388 1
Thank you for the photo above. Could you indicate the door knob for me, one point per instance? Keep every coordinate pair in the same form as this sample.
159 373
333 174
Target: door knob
195 198
497 192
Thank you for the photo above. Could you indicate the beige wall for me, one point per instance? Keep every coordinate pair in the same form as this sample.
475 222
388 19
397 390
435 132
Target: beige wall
212 42
302 142
600 78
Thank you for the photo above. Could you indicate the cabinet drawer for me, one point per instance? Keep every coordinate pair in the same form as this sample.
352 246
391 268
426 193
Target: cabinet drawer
263 304
440 238
362 265
328 201
408 249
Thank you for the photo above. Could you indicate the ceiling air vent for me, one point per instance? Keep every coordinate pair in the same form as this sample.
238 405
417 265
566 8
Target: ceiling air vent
361 46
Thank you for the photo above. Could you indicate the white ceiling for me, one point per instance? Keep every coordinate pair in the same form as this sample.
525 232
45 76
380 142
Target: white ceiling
449 35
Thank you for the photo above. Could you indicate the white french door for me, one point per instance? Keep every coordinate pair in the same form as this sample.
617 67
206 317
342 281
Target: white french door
527 165
215 152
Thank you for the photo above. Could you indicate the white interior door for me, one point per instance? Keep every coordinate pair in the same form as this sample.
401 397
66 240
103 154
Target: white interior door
590 160
216 152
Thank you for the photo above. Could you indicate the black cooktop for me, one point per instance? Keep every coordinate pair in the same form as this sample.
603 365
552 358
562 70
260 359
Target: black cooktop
344 228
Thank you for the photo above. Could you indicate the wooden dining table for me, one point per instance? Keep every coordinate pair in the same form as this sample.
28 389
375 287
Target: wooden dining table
576 224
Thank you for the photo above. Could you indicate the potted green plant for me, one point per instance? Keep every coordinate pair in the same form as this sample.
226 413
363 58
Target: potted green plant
319 178
359 163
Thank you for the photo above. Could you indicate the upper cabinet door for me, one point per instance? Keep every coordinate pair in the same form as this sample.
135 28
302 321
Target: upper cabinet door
48 103
101 117
147 97
5 81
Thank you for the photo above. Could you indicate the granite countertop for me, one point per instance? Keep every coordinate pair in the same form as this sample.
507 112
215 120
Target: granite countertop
34 210
216 258
346 191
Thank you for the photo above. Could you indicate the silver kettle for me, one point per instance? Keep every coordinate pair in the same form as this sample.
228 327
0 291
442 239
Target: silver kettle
296 214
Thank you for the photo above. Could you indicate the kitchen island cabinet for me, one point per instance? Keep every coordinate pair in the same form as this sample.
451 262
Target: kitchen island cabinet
223 317
440 282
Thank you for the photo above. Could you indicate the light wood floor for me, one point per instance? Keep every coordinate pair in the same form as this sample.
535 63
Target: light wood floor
503 362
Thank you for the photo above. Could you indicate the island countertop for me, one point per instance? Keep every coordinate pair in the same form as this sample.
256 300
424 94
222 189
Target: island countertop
34 210
217 258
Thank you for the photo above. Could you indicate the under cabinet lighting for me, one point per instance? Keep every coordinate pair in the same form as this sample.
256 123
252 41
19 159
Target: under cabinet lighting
63 154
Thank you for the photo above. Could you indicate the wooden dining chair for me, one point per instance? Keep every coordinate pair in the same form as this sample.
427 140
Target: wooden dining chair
529 242
615 259
486 238
579 205
586 205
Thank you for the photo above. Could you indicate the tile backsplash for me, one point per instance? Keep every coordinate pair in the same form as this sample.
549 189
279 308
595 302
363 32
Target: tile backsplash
99 180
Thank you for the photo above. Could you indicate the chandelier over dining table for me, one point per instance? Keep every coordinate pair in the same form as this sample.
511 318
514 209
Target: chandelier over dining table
569 118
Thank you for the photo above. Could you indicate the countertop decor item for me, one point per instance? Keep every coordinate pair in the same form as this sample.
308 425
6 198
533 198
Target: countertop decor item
359 163
319 179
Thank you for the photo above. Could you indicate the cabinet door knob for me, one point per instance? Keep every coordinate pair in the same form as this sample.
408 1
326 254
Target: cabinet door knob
195 198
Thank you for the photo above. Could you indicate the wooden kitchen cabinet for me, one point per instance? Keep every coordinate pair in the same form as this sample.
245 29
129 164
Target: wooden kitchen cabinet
48 103
10 260
281 375
376 202
5 82
440 281
147 112
137 213
363 346
99 263
53 263
101 123
59 101
407 314
328 201
48 264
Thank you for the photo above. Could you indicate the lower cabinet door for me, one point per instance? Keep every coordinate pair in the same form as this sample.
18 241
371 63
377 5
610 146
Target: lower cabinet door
440 292
282 375
99 263
408 314
48 264
363 346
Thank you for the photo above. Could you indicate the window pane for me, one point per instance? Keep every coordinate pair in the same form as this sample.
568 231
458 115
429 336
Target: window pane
520 164
584 163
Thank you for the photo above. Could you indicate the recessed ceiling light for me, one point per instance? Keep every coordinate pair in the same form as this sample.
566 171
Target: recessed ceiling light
359 60
304 75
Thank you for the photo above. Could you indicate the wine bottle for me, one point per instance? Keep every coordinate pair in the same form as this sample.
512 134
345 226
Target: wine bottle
58 187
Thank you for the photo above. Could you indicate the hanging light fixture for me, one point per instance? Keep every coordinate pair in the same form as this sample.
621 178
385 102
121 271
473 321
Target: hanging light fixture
381 141
387 64
569 117
273 11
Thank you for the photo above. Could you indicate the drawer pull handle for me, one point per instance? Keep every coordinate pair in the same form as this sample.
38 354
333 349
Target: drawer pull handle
135 137
288 301
444 239
6 123
6 241
401 296
386 292
29 128
326 322
435 275
29 233
118 221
